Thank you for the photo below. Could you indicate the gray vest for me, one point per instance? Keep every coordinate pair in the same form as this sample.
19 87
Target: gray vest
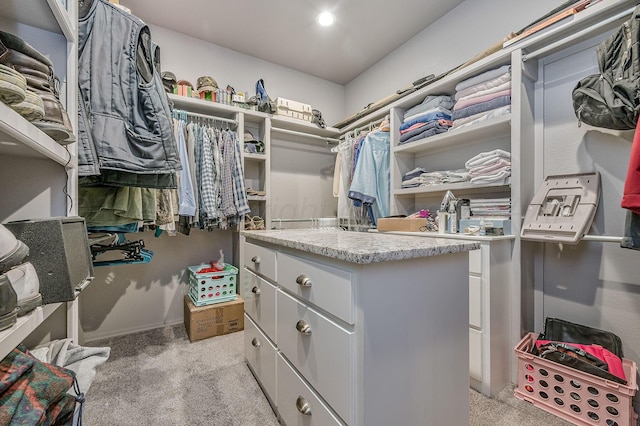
126 115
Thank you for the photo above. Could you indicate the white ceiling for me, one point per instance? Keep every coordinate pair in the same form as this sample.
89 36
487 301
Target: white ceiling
284 31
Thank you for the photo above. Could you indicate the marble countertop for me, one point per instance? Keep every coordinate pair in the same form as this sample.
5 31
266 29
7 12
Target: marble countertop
361 247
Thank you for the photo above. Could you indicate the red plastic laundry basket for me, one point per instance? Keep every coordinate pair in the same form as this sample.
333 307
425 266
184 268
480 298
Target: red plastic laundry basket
576 396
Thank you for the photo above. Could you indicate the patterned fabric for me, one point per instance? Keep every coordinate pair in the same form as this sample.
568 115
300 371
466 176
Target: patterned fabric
228 154
219 176
216 138
239 191
33 392
207 178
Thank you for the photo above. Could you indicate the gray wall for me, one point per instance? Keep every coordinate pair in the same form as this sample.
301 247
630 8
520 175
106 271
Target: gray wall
190 58
458 36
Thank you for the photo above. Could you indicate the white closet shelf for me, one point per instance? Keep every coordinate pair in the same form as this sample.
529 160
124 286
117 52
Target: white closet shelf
54 18
256 198
255 157
214 109
287 123
13 336
577 28
488 130
465 187
445 86
20 138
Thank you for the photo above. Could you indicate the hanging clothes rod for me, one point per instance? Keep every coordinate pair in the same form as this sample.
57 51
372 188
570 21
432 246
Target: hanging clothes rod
205 116
370 126
602 238
577 35
309 135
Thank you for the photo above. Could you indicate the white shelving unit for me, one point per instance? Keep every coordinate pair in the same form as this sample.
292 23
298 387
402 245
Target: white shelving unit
493 279
264 127
503 310
38 175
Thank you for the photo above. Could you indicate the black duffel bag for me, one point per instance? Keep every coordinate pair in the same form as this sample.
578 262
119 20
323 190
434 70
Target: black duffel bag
610 99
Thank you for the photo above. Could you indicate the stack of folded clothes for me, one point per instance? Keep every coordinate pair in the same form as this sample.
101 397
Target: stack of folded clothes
431 117
482 97
491 207
420 177
489 167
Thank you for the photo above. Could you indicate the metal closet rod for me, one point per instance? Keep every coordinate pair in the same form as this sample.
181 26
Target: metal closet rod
602 238
208 117
368 126
309 135
577 35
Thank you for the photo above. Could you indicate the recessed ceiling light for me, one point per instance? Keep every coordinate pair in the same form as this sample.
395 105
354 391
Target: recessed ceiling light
326 18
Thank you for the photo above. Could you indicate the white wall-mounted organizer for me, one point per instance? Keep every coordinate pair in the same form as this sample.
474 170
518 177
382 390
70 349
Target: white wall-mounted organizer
532 136
38 175
590 280
493 281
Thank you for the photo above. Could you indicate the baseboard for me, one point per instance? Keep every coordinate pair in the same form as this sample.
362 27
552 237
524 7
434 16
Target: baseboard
96 337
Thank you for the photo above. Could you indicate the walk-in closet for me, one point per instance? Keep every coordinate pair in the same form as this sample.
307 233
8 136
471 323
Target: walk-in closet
408 213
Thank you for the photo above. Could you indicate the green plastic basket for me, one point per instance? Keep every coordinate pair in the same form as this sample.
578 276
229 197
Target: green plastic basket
212 287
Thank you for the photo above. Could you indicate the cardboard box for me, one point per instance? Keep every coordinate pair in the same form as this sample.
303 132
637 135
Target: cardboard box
207 321
401 224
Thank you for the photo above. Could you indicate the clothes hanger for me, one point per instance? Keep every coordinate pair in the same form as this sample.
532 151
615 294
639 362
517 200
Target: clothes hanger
133 252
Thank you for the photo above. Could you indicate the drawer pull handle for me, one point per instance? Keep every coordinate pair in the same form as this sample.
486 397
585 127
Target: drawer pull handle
303 406
303 327
303 281
256 260
256 290
255 343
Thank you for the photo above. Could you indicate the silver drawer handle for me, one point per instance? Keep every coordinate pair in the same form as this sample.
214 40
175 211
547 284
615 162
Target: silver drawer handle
303 281
256 260
256 290
303 327
255 343
303 406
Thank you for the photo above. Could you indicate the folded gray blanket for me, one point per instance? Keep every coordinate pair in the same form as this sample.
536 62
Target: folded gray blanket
81 360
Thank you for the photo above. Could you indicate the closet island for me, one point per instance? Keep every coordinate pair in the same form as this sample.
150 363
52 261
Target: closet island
358 328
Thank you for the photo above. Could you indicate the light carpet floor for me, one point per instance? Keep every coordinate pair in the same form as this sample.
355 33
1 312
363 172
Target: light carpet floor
159 378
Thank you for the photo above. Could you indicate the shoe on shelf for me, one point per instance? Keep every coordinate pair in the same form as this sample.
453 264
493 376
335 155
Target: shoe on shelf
317 119
13 252
37 69
8 303
255 192
253 223
25 282
13 86
32 108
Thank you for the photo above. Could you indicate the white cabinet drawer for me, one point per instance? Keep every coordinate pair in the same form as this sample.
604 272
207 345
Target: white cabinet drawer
324 356
475 302
260 302
475 261
322 285
260 260
295 397
475 354
261 357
